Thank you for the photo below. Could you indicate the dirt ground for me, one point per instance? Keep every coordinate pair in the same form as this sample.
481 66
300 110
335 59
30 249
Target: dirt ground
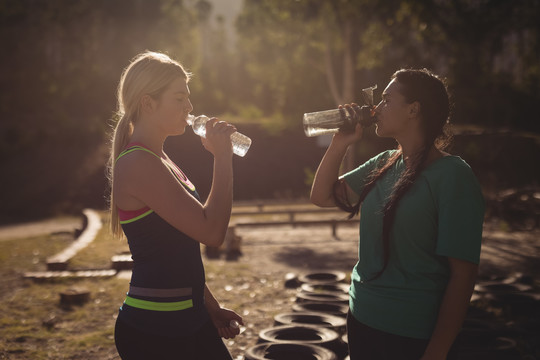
268 255
273 252
253 284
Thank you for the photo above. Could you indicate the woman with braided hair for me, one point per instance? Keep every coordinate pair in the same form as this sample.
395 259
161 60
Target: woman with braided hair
421 215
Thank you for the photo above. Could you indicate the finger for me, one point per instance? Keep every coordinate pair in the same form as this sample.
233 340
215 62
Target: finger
210 124
240 320
223 126
231 333
350 110
227 332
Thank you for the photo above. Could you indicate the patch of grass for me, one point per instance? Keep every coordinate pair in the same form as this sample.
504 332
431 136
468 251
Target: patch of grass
99 252
33 315
33 322
30 254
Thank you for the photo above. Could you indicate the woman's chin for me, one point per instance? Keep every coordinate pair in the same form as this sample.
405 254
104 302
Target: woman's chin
378 130
178 132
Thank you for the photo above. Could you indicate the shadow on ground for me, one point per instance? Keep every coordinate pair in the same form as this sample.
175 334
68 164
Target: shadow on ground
317 258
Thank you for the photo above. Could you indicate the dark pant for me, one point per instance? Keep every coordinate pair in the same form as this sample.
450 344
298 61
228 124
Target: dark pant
205 344
368 343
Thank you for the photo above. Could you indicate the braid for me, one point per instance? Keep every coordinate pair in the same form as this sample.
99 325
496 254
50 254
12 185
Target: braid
401 187
353 210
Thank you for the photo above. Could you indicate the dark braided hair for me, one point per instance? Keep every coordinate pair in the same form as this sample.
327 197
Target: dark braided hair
430 92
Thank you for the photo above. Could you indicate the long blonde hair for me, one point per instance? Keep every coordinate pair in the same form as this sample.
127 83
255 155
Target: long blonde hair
148 73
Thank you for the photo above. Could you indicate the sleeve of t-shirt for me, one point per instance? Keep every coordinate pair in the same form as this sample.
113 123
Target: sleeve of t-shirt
461 214
357 178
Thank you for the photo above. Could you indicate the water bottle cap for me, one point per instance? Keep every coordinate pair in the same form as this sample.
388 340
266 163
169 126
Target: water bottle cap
234 324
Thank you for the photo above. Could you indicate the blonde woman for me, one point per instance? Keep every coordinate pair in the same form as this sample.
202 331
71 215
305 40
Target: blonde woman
169 312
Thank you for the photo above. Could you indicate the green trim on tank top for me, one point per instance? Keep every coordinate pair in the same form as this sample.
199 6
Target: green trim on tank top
158 306
187 183
135 148
137 217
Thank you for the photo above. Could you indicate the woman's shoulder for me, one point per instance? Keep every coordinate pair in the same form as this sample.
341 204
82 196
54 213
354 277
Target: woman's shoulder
451 171
383 156
137 163
450 163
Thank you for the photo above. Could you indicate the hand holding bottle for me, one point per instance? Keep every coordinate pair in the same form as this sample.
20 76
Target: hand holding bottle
332 121
240 142
354 133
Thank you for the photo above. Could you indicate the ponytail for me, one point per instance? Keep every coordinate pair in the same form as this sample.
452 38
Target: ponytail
120 139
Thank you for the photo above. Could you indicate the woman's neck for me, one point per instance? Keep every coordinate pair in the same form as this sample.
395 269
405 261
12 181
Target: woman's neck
410 148
149 139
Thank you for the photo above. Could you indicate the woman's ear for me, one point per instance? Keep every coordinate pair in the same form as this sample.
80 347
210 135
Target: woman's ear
147 103
414 109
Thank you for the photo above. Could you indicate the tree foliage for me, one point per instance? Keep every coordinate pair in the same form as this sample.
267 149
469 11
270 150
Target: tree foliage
58 91
327 50
62 60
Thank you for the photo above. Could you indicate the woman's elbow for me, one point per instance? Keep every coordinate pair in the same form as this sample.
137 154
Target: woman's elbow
321 201
213 240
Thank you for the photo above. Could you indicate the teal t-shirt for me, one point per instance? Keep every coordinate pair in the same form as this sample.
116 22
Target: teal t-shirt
440 216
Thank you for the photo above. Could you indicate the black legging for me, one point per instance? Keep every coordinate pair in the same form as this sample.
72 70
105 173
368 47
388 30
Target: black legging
368 343
133 344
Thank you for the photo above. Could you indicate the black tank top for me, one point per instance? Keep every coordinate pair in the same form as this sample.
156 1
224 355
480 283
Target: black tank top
166 295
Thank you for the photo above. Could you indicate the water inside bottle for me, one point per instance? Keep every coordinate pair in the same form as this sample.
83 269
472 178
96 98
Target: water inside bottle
323 122
240 142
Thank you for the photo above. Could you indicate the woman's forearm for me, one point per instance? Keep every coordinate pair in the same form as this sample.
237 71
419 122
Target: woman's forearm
326 175
219 203
453 308
209 300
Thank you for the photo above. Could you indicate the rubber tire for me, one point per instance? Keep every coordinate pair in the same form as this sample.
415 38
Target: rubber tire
322 297
329 321
305 334
499 348
339 288
323 277
336 309
288 351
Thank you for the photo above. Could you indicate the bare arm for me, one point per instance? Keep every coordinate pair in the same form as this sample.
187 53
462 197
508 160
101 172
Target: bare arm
328 171
453 308
143 178
221 317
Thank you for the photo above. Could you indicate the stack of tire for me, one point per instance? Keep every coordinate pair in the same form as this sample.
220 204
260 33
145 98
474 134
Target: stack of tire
503 321
316 326
505 312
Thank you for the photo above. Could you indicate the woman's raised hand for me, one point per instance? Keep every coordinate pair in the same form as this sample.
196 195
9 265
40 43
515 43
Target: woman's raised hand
218 137
348 138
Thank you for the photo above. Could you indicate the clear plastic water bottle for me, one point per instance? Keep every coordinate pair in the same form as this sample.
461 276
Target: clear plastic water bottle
332 121
240 142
